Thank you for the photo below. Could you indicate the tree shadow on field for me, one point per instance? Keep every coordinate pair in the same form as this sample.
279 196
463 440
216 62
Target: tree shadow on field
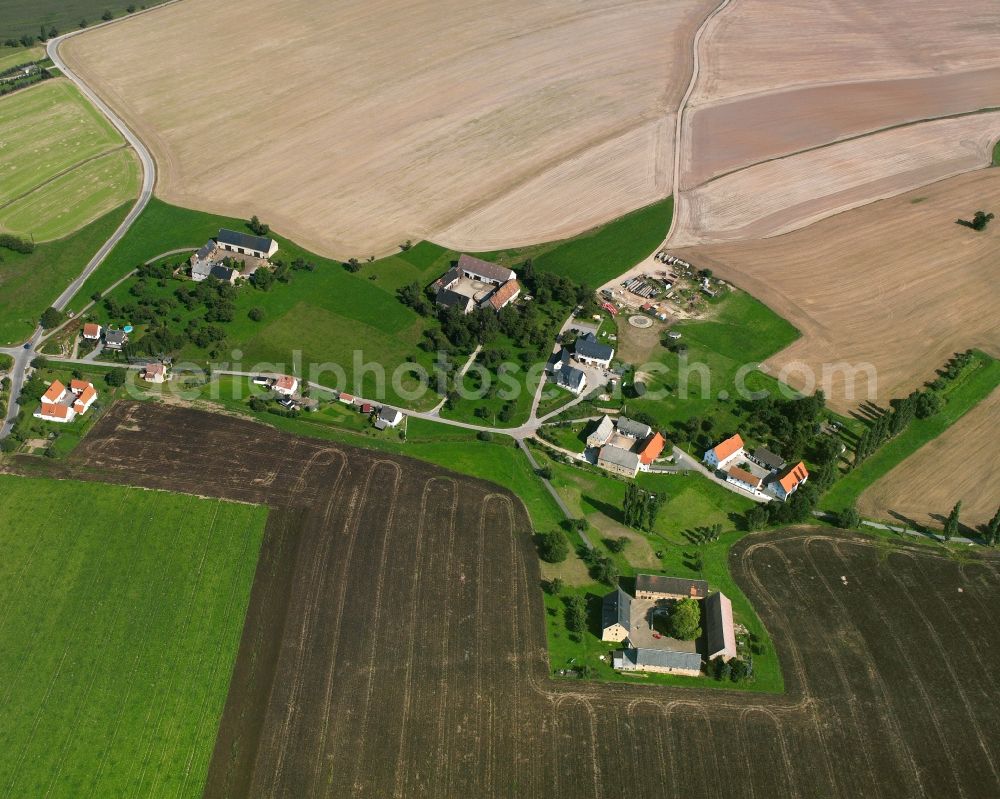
614 513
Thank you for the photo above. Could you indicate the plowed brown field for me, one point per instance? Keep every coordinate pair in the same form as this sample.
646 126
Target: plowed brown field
395 645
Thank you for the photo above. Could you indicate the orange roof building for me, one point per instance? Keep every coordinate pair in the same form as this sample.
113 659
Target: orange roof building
92 330
743 478
790 481
56 412
651 449
721 454
505 295
55 392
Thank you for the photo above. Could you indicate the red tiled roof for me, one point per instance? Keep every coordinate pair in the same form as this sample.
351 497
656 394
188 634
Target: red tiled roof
728 447
652 448
286 382
790 479
91 330
54 392
155 369
56 410
744 476
79 386
504 294
87 395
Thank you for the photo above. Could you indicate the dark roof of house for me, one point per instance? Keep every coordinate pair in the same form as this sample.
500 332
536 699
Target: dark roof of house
115 336
616 609
664 658
448 278
388 414
237 239
449 298
768 458
671 585
589 347
205 251
222 272
633 429
720 635
478 266
570 377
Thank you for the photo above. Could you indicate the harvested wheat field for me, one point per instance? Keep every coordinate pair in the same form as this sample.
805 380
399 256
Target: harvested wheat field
960 464
731 134
785 194
896 284
395 645
353 126
754 46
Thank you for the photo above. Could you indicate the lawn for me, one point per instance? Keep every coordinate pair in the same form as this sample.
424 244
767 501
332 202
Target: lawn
52 133
11 57
721 351
30 283
68 202
600 254
960 395
18 17
123 611
996 153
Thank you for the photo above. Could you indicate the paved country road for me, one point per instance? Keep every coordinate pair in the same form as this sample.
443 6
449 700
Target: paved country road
22 357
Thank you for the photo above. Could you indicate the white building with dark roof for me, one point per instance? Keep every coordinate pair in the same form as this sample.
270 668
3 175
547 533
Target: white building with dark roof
619 461
616 614
246 244
720 632
663 661
588 350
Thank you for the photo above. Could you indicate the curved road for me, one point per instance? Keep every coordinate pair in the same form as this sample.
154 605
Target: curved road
23 355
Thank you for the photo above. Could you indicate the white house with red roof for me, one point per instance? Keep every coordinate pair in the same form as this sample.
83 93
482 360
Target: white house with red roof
63 405
286 385
790 480
721 455
92 331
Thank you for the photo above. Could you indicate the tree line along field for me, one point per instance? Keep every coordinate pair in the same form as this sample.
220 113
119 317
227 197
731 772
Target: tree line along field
62 166
395 645
122 616
19 17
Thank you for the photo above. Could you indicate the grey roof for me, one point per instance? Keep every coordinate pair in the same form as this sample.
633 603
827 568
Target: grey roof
222 272
670 585
389 414
768 458
448 277
664 658
628 427
237 239
720 636
589 347
205 251
201 269
449 298
501 274
604 429
115 336
620 457
570 377
616 609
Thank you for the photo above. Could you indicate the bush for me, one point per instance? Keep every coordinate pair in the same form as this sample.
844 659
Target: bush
256 314
16 244
484 435
116 377
616 544
51 318
576 614
849 518
553 546
685 619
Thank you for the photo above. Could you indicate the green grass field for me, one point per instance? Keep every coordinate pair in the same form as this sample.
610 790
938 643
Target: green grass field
996 153
123 611
961 396
52 177
18 17
601 254
29 283
11 57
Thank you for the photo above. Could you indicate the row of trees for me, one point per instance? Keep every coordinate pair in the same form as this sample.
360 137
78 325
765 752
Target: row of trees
641 507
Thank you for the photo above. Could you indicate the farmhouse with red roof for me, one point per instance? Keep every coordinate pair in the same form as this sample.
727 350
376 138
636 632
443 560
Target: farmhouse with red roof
59 404
725 453
790 480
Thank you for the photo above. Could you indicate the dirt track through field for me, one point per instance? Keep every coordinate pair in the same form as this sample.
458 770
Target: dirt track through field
395 645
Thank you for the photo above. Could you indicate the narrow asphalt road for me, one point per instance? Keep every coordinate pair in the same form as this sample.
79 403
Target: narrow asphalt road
23 356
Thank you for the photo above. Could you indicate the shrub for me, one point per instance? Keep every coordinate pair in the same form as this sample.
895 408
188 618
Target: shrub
576 614
484 435
51 318
256 314
553 546
116 377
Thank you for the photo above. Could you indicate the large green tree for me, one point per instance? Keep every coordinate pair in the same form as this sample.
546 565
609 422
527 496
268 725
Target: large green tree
685 619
